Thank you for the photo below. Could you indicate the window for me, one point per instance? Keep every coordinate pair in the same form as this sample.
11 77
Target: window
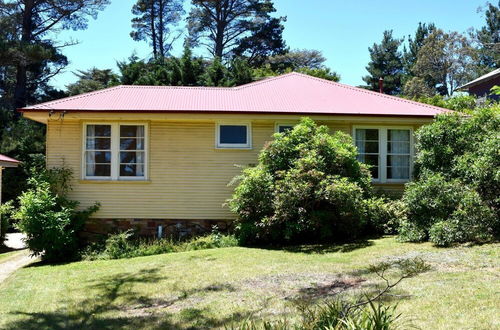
398 154
388 151
367 142
233 136
282 128
115 152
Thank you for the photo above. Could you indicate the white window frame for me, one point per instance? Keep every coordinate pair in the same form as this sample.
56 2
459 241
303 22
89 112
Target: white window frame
382 151
115 152
279 124
247 145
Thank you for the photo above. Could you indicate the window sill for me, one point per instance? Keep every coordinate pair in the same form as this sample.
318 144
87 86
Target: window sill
88 181
234 148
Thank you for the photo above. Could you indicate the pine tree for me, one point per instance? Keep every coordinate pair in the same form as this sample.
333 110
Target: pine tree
153 22
221 25
387 63
216 74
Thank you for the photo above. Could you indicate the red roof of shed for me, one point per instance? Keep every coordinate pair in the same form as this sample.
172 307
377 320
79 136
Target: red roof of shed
289 93
6 159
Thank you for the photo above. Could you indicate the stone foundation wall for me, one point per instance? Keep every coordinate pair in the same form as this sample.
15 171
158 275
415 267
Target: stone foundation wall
149 227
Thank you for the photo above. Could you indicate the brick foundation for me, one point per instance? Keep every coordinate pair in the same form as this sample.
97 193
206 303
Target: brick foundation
149 227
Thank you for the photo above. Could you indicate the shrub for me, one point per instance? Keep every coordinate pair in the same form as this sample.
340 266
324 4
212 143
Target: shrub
307 186
126 245
5 211
384 216
446 211
50 221
455 197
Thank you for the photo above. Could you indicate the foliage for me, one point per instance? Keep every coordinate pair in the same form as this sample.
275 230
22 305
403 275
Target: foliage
92 80
445 212
125 245
223 26
446 60
417 87
455 197
488 39
383 216
152 22
462 103
387 63
308 186
5 211
27 46
415 44
50 221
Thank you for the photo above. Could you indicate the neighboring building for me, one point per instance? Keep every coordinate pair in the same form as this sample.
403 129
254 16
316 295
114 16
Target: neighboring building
156 155
5 162
481 87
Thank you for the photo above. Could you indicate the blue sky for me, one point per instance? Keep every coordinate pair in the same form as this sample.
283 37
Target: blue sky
342 30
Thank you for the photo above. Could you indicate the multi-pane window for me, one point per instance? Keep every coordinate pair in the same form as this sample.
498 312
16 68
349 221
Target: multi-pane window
388 152
114 151
367 142
132 153
98 151
233 136
398 154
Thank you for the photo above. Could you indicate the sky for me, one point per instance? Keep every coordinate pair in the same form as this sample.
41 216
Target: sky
342 30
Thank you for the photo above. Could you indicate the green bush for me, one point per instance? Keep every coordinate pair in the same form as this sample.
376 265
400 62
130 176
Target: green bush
384 216
50 221
126 245
455 196
5 211
446 211
308 186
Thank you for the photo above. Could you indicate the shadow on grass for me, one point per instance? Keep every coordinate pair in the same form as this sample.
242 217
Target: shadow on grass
113 303
323 248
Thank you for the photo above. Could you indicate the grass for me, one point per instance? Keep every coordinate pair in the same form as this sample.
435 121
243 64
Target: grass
211 288
6 256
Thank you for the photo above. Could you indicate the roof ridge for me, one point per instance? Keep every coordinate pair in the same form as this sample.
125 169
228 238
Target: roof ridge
264 80
367 91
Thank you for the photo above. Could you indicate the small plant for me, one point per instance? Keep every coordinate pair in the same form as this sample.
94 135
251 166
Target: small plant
126 245
50 221
364 312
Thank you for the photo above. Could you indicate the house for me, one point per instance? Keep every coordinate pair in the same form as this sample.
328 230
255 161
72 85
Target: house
155 155
481 87
5 162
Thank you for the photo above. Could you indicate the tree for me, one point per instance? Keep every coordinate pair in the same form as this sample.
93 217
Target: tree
387 63
488 38
447 60
91 80
417 87
220 25
414 45
295 59
153 21
217 74
30 21
191 68
265 40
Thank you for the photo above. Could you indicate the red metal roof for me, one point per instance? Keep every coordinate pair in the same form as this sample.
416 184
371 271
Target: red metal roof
289 93
6 159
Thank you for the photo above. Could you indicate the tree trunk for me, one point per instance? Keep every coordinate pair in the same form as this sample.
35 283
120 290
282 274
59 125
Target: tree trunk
161 31
22 72
153 29
220 29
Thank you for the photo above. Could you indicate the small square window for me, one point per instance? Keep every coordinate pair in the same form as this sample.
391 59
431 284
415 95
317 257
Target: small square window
233 136
284 128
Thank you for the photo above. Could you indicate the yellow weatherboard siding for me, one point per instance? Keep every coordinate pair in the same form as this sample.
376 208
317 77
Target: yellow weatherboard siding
188 175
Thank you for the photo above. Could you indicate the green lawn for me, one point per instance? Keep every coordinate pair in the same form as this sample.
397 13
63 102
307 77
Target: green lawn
6 256
209 288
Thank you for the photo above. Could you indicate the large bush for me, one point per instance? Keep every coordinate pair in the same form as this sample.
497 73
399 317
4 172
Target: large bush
455 196
50 221
308 186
